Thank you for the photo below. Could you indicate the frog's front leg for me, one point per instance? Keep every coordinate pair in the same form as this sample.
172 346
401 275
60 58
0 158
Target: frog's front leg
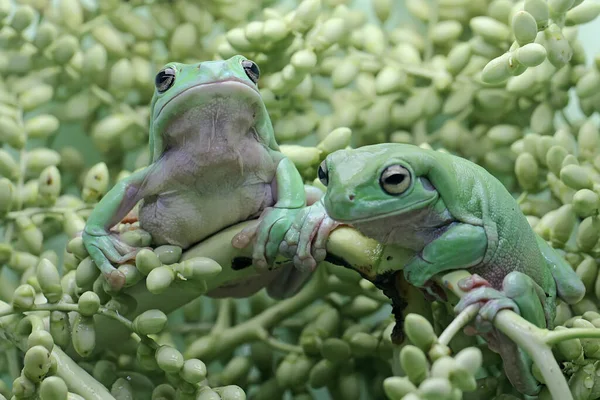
521 295
274 222
102 246
306 240
459 247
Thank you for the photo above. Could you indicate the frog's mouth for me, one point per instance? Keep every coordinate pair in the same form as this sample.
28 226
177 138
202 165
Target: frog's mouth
330 207
230 86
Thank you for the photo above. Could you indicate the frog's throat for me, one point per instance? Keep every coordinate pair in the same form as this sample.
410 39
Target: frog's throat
373 216
214 87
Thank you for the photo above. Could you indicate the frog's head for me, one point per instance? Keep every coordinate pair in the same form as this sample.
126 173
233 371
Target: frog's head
376 181
186 94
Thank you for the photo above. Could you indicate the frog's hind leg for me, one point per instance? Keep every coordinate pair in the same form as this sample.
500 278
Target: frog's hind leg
569 286
520 294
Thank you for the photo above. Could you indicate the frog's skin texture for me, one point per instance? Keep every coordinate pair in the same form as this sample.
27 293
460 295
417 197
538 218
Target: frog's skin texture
214 163
454 215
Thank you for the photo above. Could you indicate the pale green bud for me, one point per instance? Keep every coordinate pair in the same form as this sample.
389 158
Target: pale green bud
30 234
275 30
41 126
7 195
586 203
42 338
36 363
230 392
183 40
531 55
490 29
110 39
150 322
86 273
83 335
53 388
539 10
95 183
169 359
198 268
524 27
159 279
414 363
64 48
335 350
419 331
193 371
560 6
322 374
11 133
49 280
585 12
558 48
22 18
445 32
575 177
88 303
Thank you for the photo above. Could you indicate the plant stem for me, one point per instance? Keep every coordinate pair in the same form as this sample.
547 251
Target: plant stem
254 328
276 344
458 323
553 337
77 379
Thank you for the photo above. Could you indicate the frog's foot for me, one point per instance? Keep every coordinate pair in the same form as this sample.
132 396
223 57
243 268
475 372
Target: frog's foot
306 240
267 233
492 301
106 249
519 294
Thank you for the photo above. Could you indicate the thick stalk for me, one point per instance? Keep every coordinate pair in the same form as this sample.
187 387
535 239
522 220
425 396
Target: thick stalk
77 379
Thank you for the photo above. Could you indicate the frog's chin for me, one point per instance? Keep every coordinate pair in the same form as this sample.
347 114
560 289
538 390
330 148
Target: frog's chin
197 94
372 216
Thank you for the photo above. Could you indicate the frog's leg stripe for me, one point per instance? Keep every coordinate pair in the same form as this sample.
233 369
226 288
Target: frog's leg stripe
461 246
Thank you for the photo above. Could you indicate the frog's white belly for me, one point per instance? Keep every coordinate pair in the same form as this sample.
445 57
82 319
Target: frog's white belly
183 217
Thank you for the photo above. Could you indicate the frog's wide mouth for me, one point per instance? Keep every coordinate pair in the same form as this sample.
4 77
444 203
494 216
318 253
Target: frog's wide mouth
331 212
229 83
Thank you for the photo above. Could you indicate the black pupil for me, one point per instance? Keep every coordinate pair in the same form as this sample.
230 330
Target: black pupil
164 79
322 174
394 179
251 70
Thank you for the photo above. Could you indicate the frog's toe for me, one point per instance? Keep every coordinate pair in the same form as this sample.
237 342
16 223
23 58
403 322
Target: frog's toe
491 308
287 250
472 282
478 295
305 263
115 278
243 238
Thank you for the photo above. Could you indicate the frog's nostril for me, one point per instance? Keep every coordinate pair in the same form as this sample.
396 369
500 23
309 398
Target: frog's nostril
351 197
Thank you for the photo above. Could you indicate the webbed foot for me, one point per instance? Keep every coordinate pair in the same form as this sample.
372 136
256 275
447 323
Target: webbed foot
105 249
267 233
523 296
306 240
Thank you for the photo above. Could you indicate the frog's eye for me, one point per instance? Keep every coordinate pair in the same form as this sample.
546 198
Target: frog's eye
395 179
323 174
164 79
251 70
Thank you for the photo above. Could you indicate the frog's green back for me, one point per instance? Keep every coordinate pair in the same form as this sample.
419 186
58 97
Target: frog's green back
474 196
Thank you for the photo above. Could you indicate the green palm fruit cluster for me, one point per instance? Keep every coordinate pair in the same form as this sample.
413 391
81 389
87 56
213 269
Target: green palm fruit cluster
495 81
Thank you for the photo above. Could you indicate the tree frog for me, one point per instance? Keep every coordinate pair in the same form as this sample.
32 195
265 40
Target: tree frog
214 162
454 215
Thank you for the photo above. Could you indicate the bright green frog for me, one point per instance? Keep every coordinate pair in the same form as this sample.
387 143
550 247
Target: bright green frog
454 215
214 163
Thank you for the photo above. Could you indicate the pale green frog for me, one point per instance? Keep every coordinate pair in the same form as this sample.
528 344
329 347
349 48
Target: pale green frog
214 162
